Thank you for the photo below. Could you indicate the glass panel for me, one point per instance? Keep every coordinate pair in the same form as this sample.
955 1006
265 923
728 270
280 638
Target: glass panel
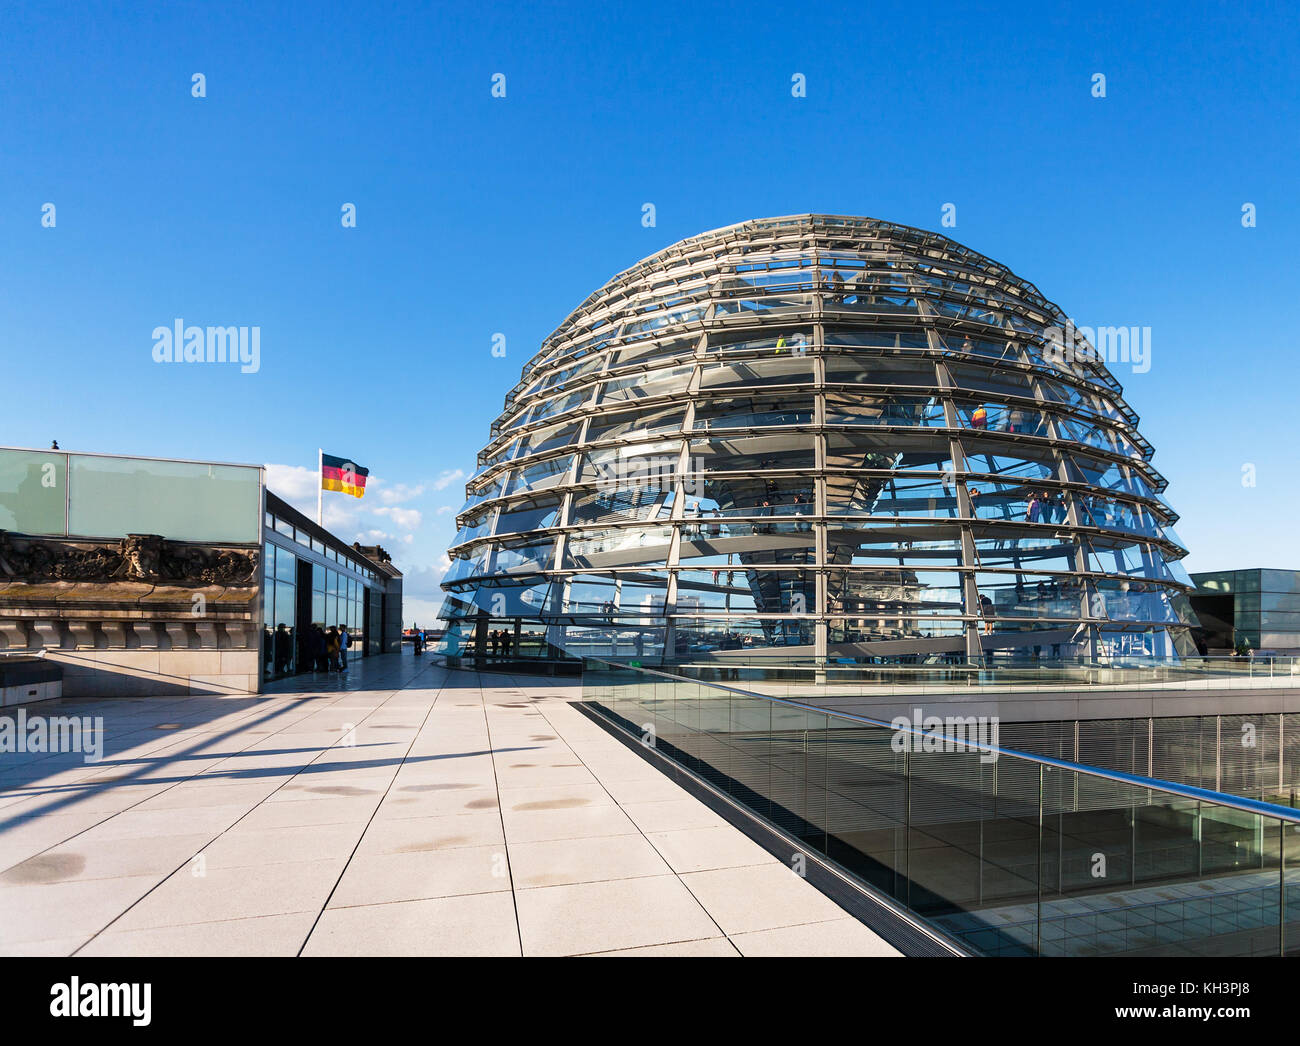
286 564
1007 854
33 490
866 799
181 500
285 612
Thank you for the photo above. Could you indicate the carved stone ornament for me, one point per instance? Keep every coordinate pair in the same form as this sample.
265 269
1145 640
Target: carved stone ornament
137 557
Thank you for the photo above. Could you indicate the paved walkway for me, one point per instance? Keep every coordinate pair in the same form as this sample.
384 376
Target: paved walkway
406 810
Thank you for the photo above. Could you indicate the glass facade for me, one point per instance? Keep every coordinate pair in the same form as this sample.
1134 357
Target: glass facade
1250 610
832 436
280 611
335 587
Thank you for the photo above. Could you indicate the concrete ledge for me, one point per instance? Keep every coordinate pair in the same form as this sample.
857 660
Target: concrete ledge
18 671
25 680
155 673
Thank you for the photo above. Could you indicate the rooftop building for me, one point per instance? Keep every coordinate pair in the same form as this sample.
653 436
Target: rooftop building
1249 610
155 576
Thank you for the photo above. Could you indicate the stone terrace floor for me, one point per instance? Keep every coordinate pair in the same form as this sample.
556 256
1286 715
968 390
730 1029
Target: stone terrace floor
401 810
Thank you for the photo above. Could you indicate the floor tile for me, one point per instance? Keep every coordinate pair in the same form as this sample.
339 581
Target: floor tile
610 916
479 924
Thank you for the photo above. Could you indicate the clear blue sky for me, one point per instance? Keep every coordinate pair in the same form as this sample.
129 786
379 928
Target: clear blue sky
478 215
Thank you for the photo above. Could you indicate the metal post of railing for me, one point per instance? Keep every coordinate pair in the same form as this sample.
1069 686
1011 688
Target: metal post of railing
1132 844
907 827
804 815
1038 924
1199 834
731 698
1281 888
1259 840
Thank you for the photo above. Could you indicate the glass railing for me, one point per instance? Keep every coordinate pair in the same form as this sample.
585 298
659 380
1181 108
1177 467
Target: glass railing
791 677
1007 853
103 496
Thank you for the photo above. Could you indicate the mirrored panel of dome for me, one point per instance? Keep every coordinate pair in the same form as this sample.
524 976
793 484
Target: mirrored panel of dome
818 436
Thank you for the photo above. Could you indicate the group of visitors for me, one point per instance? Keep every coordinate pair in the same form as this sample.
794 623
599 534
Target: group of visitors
499 640
282 648
1045 599
326 649
770 504
1045 507
1042 506
700 523
693 527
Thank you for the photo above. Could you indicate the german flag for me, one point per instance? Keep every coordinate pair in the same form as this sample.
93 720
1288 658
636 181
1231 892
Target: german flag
342 475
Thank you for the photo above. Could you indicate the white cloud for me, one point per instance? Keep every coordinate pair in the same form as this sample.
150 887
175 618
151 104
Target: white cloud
447 477
343 515
403 518
296 484
399 492
422 595
425 582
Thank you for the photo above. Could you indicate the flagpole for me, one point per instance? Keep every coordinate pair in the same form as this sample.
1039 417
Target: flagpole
320 483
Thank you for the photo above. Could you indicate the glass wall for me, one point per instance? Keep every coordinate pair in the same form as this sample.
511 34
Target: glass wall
279 611
337 582
101 496
337 598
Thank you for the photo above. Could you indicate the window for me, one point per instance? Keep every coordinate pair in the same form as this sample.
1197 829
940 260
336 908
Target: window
286 565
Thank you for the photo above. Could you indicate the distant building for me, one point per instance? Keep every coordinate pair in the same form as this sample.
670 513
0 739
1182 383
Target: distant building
1259 608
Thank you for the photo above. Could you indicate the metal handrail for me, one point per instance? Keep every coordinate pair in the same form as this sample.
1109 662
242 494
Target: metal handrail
1252 806
810 661
1227 668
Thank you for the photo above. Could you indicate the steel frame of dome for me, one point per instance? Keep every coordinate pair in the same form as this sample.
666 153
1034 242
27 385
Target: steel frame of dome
770 436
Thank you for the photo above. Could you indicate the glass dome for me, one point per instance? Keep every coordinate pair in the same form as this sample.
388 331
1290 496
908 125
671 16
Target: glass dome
817 436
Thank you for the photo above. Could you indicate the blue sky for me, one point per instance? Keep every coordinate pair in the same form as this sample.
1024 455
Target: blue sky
478 215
